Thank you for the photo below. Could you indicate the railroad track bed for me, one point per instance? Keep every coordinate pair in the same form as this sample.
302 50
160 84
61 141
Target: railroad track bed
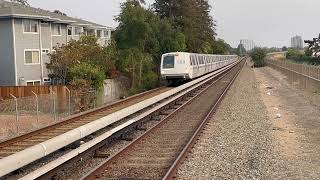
117 137
152 155
20 143
15 145
79 168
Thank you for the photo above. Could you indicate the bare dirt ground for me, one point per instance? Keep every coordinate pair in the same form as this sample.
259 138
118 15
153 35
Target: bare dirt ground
296 122
264 129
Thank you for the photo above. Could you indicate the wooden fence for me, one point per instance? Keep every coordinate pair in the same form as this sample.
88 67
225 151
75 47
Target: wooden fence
25 91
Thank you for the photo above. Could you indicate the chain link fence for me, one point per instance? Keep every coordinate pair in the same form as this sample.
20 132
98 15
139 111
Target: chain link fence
22 115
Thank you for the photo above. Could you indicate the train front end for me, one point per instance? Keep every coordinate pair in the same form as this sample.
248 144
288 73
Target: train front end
174 67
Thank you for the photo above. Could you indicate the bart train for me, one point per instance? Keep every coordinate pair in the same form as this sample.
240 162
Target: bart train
181 66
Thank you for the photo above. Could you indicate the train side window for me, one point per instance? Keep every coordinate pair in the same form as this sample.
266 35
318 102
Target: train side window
192 60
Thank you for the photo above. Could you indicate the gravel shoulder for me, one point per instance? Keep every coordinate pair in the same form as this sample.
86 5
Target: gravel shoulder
246 139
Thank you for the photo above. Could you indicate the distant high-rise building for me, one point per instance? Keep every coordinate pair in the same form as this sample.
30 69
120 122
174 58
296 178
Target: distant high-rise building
247 44
296 42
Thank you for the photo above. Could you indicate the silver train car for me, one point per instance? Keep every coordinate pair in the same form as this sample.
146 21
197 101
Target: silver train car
180 66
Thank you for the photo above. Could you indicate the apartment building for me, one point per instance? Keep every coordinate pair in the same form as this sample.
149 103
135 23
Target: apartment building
28 34
297 42
247 44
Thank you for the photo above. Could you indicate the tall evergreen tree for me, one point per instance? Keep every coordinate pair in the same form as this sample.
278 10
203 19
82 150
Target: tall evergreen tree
193 18
141 39
167 8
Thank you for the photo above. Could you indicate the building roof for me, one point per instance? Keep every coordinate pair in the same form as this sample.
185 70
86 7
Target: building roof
10 9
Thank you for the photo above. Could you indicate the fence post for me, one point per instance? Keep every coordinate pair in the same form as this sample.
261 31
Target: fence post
69 99
95 99
17 113
37 105
54 103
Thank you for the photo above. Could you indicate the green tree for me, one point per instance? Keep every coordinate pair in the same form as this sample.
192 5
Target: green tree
294 54
241 51
221 47
258 56
193 18
93 74
168 8
141 39
86 50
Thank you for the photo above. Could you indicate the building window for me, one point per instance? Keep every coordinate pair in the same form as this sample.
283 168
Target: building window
33 83
56 29
77 31
106 33
69 31
99 33
31 57
45 23
30 26
91 32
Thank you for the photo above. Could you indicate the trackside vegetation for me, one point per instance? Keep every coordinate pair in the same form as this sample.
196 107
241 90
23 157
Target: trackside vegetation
142 36
302 57
258 56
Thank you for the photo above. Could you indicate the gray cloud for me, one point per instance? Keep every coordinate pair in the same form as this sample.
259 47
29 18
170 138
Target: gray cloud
267 22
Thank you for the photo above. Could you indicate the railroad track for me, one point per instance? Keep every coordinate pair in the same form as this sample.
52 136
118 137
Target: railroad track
101 124
158 152
25 141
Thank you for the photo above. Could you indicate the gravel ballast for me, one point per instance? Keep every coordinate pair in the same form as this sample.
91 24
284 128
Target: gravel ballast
240 140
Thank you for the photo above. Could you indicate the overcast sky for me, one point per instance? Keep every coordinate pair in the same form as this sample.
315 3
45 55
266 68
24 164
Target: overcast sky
267 22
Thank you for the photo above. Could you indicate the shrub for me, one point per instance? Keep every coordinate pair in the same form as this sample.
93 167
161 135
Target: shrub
85 73
302 58
258 56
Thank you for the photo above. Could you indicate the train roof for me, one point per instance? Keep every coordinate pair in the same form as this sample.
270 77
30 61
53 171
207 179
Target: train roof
177 53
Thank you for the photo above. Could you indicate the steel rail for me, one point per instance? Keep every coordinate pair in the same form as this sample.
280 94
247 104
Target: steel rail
100 168
34 153
94 144
74 118
18 161
171 174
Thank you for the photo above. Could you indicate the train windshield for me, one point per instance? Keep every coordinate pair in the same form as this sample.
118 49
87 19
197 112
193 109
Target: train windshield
168 62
